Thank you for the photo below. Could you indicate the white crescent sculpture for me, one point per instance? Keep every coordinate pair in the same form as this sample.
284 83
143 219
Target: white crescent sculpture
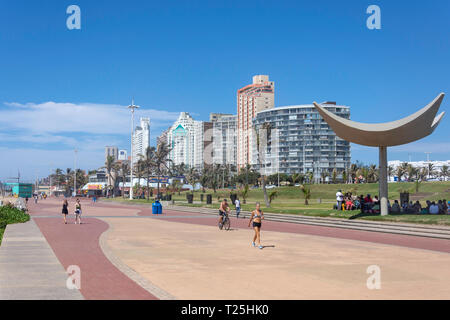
406 130
383 135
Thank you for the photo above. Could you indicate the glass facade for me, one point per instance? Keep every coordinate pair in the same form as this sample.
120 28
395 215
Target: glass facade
300 141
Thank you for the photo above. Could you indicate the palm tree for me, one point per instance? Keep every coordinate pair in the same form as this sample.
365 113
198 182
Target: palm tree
244 193
297 177
401 170
147 161
334 175
306 193
139 171
124 169
431 171
266 129
372 174
390 171
67 178
192 177
161 160
444 172
204 177
411 172
310 176
110 171
323 176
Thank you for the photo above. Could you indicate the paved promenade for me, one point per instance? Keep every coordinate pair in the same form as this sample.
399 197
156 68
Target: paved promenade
28 267
125 252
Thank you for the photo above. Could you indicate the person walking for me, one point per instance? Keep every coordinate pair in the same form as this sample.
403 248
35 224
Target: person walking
78 212
65 210
256 218
339 199
237 203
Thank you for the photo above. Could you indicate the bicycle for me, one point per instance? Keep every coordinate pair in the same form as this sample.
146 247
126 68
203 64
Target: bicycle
225 222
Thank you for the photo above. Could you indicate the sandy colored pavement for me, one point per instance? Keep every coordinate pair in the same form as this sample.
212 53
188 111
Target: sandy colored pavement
200 262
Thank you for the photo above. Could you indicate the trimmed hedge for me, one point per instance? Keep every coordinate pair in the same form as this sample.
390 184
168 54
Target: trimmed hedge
9 215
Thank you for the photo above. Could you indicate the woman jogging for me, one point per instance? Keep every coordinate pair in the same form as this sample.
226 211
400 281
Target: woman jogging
256 217
65 210
78 212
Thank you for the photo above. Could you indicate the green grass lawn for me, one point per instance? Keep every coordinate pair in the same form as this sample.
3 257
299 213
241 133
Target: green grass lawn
9 216
290 200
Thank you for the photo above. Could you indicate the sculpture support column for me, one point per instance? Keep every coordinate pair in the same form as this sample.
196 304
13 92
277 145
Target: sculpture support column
383 183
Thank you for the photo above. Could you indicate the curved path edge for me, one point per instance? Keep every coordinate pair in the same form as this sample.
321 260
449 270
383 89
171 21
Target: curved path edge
129 272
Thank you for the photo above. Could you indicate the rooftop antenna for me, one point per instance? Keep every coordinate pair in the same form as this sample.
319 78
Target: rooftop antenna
18 176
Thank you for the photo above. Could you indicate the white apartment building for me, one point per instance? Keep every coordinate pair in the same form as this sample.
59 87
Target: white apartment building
251 99
141 138
189 140
111 151
123 155
224 138
436 165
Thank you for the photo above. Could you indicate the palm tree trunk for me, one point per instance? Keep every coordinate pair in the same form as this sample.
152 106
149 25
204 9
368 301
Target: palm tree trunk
266 198
148 178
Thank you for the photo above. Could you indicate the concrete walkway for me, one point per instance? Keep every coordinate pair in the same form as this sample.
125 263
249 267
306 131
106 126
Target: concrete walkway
29 269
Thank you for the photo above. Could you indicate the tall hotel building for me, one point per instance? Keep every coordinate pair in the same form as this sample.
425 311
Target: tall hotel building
224 138
141 139
190 141
251 99
300 141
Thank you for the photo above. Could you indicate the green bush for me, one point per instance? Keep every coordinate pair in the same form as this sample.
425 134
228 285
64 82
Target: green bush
9 215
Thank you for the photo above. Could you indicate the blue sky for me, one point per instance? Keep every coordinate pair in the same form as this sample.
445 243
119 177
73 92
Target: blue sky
62 89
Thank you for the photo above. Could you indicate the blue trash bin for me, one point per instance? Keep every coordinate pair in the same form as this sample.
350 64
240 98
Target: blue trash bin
155 208
159 208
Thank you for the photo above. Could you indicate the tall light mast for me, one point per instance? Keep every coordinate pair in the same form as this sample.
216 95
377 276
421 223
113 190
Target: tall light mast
132 107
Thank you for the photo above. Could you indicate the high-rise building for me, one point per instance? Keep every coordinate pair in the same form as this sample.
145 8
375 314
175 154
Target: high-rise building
251 99
300 141
224 138
111 151
189 140
141 139
123 155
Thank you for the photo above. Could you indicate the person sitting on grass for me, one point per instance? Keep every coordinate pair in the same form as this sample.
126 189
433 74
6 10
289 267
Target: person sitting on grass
434 208
376 207
348 204
445 205
417 207
441 207
428 206
368 202
395 207
357 204
376 200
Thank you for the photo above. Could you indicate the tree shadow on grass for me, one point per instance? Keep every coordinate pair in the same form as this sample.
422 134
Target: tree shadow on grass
392 214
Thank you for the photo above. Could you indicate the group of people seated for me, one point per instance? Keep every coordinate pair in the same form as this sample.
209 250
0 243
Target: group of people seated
368 204
432 207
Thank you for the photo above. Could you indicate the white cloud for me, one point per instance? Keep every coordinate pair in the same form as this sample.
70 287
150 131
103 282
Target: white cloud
53 117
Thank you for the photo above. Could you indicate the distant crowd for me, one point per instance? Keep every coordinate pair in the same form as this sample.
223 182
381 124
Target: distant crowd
367 204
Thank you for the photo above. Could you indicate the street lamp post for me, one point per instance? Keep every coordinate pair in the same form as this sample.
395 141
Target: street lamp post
132 107
75 174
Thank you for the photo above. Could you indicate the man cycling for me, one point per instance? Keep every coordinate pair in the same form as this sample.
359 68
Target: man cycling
223 210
